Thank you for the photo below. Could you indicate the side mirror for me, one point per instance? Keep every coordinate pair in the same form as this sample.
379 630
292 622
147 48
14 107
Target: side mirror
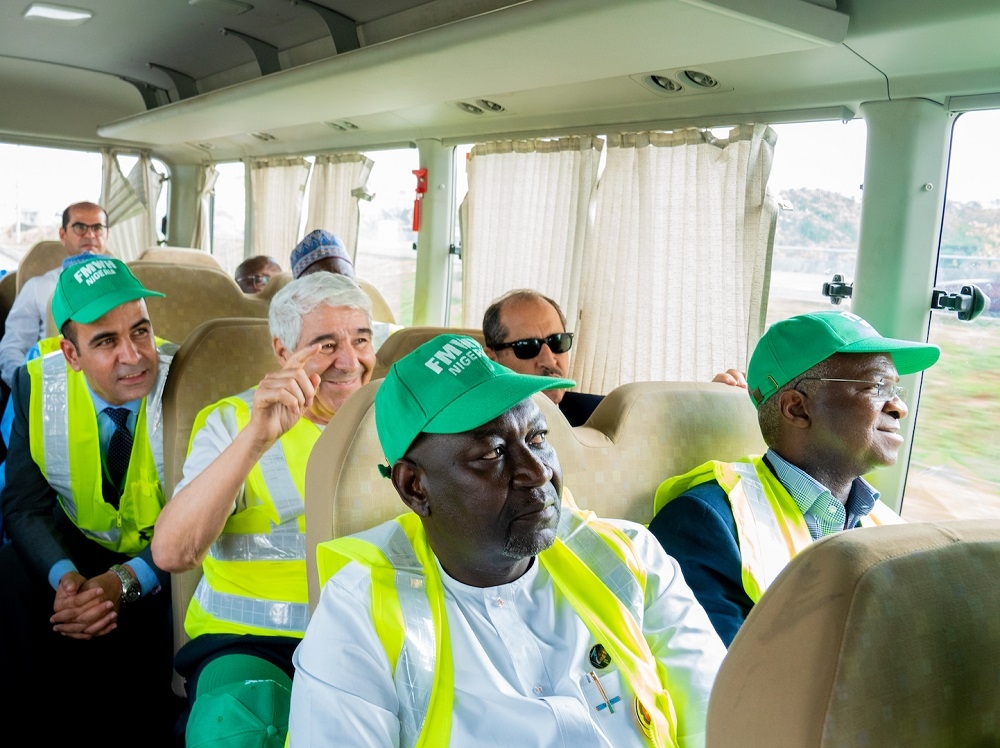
969 303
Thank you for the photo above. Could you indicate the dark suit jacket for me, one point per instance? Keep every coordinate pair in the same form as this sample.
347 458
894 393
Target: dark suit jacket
35 522
697 528
577 406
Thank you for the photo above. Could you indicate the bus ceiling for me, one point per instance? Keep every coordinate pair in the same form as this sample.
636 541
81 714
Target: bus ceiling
284 78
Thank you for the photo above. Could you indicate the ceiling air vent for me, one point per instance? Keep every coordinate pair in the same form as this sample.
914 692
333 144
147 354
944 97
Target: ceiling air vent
263 136
343 125
477 107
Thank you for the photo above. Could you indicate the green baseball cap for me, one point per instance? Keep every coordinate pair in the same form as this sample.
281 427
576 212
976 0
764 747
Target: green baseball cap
447 386
241 701
794 345
88 290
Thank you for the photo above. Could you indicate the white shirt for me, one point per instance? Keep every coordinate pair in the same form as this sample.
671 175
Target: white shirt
27 321
521 658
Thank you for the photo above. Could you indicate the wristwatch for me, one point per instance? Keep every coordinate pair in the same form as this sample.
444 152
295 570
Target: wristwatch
131 591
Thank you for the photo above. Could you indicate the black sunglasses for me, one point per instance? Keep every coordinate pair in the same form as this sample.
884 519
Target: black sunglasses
559 342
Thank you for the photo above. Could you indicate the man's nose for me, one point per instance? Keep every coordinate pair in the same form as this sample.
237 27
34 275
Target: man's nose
531 467
128 352
546 359
896 407
346 358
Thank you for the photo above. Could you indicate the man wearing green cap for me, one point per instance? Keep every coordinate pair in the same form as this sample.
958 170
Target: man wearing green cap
491 613
82 496
826 388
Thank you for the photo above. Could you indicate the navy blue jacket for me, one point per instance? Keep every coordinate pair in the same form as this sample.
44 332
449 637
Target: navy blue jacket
697 528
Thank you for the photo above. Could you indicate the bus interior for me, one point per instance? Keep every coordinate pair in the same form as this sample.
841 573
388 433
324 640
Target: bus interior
678 173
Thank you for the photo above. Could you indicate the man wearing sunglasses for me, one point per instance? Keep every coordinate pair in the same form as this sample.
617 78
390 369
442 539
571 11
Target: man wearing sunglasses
826 388
84 230
526 332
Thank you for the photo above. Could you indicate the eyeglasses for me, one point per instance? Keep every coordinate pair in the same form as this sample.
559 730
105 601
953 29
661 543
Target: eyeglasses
81 229
526 348
253 280
883 390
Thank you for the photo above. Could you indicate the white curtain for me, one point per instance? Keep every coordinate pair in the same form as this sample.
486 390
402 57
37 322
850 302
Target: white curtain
276 189
131 205
334 191
202 236
678 256
526 220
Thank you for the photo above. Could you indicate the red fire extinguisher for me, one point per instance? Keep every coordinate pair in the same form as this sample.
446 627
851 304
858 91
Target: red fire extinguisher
421 175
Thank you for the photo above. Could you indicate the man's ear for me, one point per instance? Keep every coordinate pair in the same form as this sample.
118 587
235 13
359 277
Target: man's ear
408 480
70 354
491 354
280 352
794 407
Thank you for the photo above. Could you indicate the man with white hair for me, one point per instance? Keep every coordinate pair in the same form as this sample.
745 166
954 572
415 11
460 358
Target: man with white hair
239 512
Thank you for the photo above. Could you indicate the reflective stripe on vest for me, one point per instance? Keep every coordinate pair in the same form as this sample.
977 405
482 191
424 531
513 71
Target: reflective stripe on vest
262 548
770 527
61 405
406 593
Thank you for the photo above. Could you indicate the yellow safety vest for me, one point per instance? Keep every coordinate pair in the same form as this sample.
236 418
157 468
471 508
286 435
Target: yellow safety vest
592 563
254 578
64 443
770 527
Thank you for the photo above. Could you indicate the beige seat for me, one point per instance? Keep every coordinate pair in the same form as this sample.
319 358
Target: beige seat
195 294
179 256
8 290
886 636
639 435
40 259
403 341
381 311
219 358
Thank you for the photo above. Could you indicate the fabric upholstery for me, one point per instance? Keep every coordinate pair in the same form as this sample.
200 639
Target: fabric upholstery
408 339
179 256
40 259
639 435
884 636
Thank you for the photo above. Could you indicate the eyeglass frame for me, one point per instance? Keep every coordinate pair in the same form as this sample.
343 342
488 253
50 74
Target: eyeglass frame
256 280
519 345
81 229
895 390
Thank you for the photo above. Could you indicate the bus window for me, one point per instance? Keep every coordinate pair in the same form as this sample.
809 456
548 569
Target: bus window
954 473
461 190
38 184
229 214
816 178
386 255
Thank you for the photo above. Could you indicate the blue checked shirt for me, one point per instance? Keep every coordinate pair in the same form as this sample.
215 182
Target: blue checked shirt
823 513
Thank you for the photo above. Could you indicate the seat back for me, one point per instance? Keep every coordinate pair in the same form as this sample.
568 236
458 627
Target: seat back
407 339
8 290
638 436
381 311
40 259
194 294
881 636
179 256
221 357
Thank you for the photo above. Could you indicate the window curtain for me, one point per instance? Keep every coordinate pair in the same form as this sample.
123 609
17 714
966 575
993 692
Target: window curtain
202 236
276 189
678 255
526 218
131 205
334 193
